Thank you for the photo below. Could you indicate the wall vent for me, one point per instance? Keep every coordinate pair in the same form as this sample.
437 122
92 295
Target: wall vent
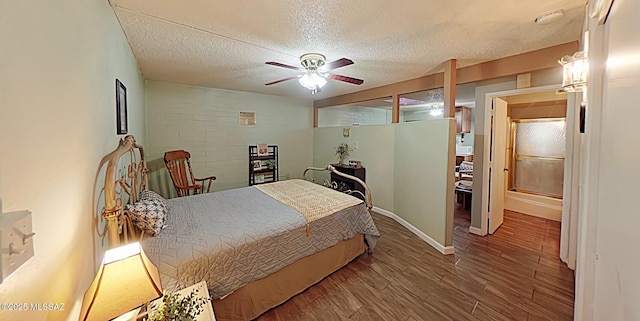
247 118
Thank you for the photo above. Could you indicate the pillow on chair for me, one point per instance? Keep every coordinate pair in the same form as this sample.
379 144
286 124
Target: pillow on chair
149 213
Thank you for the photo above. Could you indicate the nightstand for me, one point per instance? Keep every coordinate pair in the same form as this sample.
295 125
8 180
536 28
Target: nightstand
207 313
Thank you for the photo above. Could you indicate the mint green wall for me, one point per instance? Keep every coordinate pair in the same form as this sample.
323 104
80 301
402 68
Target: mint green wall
423 181
408 167
204 121
375 150
59 63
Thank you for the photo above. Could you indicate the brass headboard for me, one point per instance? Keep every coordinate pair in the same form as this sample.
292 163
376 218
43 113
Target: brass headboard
131 184
366 196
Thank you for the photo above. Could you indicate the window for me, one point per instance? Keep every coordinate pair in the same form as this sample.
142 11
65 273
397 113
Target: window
370 112
422 105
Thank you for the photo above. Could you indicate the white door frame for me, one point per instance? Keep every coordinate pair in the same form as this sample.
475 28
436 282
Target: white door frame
484 226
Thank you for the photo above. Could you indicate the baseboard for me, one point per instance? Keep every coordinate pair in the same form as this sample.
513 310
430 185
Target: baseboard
475 230
446 250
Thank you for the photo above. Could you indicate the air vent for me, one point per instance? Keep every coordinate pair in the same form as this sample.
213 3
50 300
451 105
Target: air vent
247 118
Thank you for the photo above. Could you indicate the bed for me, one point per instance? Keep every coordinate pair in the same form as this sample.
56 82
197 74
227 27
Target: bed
255 246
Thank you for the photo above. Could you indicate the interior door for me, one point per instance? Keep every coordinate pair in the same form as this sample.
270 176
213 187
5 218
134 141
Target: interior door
497 163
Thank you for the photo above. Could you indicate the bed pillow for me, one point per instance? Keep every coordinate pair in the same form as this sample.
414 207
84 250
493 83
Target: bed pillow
149 213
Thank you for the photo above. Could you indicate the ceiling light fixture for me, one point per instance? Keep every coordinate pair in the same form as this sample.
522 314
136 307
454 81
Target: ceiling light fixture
312 79
435 112
316 71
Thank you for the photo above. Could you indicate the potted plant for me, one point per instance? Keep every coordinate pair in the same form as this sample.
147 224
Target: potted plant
270 163
174 308
342 152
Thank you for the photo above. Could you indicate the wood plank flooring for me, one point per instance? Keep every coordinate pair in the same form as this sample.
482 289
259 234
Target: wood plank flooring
514 274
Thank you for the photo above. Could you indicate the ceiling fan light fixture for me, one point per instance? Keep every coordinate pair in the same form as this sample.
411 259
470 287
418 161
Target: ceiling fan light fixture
312 80
315 72
312 61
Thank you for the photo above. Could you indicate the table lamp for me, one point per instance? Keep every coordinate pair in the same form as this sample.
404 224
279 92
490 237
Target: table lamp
126 279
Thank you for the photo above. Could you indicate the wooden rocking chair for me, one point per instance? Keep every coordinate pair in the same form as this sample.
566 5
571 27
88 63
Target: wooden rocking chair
177 162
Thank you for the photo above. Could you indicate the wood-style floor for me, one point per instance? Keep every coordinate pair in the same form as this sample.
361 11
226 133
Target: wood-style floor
514 274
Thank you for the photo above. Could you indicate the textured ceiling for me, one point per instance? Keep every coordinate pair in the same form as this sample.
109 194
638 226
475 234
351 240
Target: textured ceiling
225 44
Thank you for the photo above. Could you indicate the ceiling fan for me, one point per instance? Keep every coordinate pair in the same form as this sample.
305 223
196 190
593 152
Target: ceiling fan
316 71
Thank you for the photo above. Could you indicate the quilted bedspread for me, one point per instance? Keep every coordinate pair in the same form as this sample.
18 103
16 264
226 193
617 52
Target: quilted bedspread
230 238
311 200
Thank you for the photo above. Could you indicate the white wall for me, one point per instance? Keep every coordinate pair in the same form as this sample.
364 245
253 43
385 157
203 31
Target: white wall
204 121
608 260
57 119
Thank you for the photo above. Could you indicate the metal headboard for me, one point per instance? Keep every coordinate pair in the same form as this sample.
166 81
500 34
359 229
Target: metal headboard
131 184
334 185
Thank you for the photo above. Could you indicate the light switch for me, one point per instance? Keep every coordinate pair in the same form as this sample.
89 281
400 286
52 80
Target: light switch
16 241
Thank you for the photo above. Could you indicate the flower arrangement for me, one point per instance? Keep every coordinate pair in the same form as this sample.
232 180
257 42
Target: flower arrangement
175 308
342 152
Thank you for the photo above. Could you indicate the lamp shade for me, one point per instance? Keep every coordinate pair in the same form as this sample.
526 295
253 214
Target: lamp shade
126 279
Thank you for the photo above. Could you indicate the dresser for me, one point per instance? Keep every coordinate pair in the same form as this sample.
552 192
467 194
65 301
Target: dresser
359 172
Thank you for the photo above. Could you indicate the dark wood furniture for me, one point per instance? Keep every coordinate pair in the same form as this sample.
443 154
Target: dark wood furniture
177 162
460 159
463 119
345 183
263 168
464 193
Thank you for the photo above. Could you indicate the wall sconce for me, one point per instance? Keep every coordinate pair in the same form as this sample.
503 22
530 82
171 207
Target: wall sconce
346 132
575 70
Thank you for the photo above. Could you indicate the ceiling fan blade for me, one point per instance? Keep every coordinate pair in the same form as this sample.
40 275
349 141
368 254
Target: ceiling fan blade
277 64
350 80
337 64
281 80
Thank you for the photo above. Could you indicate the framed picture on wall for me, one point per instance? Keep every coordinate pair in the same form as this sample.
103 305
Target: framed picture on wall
121 108
263 150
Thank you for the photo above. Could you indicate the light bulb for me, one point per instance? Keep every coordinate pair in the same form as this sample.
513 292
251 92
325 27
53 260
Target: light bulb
312 81
318 80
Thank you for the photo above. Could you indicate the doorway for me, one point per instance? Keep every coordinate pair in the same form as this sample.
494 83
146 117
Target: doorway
508 177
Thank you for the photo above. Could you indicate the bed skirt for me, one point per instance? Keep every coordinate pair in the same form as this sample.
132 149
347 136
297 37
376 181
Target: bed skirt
255 298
